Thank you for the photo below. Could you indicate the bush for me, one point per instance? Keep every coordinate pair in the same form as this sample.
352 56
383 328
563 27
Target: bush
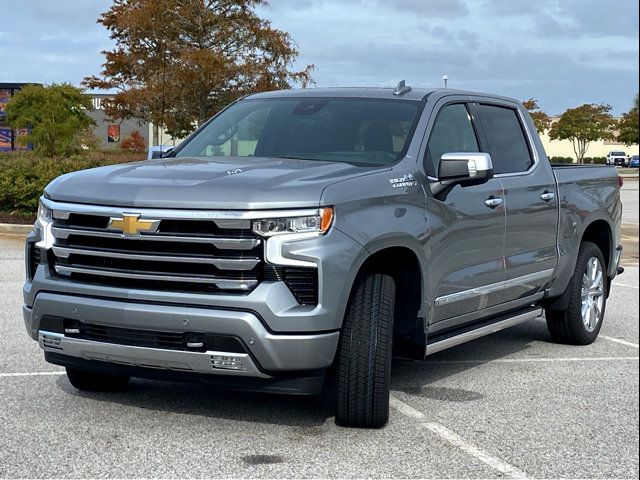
135 142
595 160
561 160
23 175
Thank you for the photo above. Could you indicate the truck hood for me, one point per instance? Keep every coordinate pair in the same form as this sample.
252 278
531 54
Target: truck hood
233 183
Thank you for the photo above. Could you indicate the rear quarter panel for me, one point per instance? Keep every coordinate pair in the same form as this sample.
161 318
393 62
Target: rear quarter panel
586 194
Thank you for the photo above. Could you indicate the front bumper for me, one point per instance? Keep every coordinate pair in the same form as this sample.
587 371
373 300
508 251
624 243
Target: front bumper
268 354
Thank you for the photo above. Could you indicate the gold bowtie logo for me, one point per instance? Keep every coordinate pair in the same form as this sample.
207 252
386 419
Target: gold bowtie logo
130 224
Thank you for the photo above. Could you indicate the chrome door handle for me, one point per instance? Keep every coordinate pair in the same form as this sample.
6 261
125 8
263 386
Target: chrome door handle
493 202
548 196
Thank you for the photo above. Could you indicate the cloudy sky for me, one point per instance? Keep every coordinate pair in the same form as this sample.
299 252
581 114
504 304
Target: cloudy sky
562 52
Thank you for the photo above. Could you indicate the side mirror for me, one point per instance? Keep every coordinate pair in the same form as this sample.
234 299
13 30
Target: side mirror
156 154
461 168
465 168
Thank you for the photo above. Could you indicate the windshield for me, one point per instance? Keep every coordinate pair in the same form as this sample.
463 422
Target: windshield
618 154
350 130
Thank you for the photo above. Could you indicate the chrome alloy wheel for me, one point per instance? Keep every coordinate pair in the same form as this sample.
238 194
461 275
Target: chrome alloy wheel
592 294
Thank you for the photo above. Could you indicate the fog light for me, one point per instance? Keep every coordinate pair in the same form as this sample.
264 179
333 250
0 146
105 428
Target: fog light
225 362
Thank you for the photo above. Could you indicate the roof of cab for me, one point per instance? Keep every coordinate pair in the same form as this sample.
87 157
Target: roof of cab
351 92
416 94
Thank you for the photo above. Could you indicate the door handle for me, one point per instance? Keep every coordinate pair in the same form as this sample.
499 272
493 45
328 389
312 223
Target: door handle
548 196
493 202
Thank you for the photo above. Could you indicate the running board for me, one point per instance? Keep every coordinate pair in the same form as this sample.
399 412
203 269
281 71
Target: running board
467 336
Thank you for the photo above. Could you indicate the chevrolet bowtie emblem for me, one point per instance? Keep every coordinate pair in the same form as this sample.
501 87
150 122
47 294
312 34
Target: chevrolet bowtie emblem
130 224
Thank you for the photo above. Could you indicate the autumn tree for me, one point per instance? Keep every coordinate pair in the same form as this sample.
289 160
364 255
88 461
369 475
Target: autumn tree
628 129
54 115
135 142
540 119
177 62
583 125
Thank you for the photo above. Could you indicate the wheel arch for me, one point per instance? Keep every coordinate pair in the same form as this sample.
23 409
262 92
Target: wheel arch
403 263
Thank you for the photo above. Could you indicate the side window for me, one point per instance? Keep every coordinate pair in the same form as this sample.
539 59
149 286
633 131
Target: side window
452 132
507 143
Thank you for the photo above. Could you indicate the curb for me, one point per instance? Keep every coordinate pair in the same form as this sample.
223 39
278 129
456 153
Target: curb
15 229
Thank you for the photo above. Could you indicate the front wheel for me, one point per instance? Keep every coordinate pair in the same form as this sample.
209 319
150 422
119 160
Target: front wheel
580 323
364 356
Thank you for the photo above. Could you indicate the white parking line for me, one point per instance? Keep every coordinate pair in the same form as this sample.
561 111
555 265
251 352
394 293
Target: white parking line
456 440
616 284
31 374
538 360
619 340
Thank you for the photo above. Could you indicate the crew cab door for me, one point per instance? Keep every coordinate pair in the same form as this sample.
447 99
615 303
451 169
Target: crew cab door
466 243
529 197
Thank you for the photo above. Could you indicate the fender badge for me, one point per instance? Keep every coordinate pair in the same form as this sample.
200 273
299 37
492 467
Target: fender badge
407 180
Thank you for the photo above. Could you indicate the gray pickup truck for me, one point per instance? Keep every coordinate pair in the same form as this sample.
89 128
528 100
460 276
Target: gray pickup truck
300 239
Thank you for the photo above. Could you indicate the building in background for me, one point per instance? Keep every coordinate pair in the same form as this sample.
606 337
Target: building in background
8 136
111 133
564 148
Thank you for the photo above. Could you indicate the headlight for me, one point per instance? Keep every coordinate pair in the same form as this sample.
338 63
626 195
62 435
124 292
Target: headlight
318 223
45 215
45 220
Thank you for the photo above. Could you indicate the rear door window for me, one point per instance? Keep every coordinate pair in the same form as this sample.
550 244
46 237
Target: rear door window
506 139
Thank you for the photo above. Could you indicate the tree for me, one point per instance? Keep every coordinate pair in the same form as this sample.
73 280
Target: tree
628 129
177 62
55 116
540 119
135 142
583 125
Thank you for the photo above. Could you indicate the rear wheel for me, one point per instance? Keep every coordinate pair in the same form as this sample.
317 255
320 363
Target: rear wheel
364 355
96 382
580 323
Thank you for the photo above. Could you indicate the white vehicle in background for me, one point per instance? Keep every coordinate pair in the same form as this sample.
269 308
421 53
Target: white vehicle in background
617 158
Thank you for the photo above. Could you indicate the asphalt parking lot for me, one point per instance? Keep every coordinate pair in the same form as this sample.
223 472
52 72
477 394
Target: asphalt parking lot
509 405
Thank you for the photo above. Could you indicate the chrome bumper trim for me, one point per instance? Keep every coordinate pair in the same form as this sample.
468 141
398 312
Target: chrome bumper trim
221 263
222 243
224 284
176 360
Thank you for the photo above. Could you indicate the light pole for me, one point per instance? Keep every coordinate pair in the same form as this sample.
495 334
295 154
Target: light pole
445 77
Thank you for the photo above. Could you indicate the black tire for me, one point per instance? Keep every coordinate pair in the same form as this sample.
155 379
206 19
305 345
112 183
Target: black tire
363 368
96 382
567 326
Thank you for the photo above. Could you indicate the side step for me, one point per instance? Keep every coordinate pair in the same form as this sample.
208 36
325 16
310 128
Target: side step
467 336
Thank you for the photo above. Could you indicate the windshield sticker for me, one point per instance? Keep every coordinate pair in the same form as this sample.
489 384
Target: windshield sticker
406 180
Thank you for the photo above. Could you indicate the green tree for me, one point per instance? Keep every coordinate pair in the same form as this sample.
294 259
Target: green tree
55 116
583 125
628 129
177 62
540 119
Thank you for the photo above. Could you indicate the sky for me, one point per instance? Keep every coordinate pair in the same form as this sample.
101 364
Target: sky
562 52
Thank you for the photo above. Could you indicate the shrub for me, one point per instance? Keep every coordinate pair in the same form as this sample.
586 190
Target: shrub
135 142
23 175
595 160
561 160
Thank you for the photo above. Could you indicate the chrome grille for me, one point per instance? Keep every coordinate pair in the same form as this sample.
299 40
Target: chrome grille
191 254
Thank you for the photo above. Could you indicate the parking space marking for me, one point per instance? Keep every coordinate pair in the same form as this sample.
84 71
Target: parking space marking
456 440
538 360
31 374
616 284
619 340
